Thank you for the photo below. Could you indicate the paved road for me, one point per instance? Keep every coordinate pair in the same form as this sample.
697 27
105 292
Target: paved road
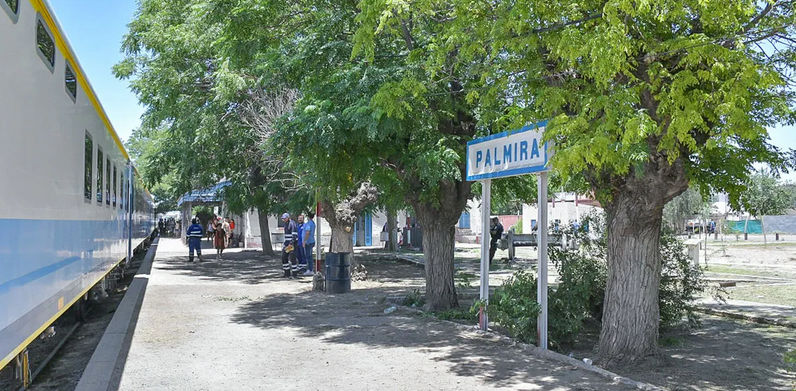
235 325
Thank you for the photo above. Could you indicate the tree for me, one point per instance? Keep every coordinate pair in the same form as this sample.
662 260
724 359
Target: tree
644 98
366 116
683 207
764 196
202 129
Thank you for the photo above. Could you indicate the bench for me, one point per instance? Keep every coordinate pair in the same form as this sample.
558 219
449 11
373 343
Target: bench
511 240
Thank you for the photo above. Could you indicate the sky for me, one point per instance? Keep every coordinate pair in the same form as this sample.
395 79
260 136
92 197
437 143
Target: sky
95 29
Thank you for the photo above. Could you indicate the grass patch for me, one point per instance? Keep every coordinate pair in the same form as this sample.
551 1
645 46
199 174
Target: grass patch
415 299
771 294
732 243
735 270
671 341
456 315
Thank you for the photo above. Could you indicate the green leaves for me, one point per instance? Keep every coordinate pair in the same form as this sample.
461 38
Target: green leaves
765 196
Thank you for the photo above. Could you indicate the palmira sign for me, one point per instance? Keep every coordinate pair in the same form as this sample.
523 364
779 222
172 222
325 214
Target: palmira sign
509 153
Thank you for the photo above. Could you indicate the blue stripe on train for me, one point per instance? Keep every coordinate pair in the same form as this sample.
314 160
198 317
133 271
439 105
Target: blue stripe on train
38 258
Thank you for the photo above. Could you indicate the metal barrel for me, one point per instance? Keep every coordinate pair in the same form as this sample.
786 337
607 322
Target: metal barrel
338 272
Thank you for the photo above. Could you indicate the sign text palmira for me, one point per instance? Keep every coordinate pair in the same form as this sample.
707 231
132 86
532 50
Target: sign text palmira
509 153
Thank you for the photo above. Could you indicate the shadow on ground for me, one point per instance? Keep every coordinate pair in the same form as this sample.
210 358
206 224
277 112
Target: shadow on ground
358 317
722 355
246 266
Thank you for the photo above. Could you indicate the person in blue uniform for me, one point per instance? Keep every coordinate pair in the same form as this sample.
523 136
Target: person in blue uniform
289 263
195 234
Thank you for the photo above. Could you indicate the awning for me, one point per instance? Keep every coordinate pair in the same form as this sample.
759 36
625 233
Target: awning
210 194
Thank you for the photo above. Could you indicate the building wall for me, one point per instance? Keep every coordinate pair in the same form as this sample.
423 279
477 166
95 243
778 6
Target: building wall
564 212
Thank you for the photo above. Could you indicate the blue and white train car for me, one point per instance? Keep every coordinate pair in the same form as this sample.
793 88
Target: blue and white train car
70 202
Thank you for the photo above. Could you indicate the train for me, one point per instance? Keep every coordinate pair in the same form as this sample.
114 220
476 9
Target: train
72 205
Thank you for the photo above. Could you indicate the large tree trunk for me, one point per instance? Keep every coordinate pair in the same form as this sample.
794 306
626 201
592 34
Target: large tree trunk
265 233
342 216
342 239
438 246
438 220
630 312
392 245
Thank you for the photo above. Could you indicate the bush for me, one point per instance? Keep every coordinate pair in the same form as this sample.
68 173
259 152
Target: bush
514 306
581 291
681 283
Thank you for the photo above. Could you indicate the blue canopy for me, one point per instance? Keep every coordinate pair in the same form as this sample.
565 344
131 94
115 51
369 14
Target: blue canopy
210 194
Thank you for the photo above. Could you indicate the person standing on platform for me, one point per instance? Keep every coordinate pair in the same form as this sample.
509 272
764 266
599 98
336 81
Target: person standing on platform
227 231
309 242
211 228
495 232
195 234
231 232
289 263
219 240
302 261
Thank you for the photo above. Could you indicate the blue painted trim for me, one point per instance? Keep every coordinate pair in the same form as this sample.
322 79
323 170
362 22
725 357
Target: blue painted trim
36 274
44 261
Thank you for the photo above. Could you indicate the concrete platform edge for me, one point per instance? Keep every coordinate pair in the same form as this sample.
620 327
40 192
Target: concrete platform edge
105 367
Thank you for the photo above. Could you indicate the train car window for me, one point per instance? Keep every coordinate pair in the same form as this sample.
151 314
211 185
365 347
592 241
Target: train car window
88 164
99 175
121 188
114 186
11 7
45 44
108 182
71 82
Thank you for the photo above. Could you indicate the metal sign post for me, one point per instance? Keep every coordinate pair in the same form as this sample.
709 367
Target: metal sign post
541 283
507 154
486 202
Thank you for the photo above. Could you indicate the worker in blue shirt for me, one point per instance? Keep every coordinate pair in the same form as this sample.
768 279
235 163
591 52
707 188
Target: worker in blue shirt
195 234
308 236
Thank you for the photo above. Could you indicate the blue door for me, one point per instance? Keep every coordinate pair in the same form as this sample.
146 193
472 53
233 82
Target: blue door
464 221
368 226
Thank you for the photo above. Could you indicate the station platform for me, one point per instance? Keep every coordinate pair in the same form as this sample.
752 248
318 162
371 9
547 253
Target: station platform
236 324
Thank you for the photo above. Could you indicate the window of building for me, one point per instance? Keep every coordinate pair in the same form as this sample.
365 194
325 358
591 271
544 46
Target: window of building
108 182
45 44
71 82
88 164
11 7
99 175
114 186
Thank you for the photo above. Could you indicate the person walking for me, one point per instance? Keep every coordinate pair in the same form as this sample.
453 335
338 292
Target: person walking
309 242
211 228
195 234
289 263
495 232
219 240
227 231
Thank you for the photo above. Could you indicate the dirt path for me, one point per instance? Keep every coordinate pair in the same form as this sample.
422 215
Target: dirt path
235 324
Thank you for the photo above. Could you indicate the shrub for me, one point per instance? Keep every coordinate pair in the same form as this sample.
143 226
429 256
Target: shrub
681 283
581 289
514 306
